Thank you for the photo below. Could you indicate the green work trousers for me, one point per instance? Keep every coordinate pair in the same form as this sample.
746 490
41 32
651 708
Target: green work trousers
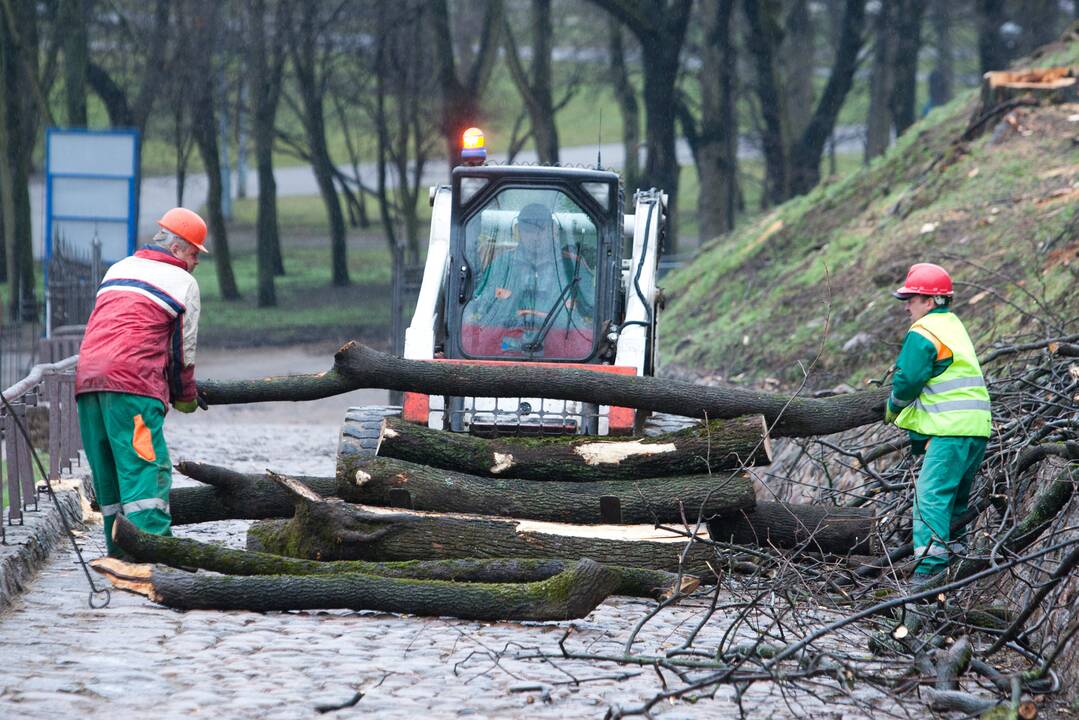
122 437
941 495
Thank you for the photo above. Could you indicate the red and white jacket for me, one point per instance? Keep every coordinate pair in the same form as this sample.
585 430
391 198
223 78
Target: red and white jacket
141 337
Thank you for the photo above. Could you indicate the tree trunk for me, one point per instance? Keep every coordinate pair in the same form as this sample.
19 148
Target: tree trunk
626 97
660 28
571 594
187 553
18 117
799 63
762 41
992 52
1041 24
908 44
721 445
717 141
204 129
536 90
334 530
386 482
811 528
265 61
76 22
357 366
878 130
461 98
312 82
806 154
942 78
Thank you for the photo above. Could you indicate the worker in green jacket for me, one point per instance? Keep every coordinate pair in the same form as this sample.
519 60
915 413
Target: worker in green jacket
939 397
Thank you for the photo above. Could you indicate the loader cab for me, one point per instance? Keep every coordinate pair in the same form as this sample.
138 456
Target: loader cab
534 260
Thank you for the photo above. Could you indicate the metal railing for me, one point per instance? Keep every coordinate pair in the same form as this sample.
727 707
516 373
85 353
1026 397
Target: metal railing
44 403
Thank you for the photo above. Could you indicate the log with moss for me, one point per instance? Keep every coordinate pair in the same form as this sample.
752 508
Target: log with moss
719 445
397 483
144 547
813 528
572 593
357 366
331 529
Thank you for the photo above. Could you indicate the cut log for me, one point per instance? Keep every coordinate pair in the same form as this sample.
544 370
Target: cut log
357 366
229 495
720 445
331 529
813 528
570 594
388 482
188 553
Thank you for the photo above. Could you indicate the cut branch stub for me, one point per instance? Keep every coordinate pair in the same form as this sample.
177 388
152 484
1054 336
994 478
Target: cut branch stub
385 481
719 445
357 366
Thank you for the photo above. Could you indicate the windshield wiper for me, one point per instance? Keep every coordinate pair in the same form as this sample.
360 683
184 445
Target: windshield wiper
536 343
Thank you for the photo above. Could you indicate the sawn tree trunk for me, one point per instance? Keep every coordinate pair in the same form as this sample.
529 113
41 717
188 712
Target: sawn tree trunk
812 528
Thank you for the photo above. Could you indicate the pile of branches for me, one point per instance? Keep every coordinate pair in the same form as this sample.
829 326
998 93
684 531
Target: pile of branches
986 638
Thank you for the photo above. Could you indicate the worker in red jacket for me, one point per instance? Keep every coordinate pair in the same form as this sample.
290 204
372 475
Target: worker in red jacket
137 357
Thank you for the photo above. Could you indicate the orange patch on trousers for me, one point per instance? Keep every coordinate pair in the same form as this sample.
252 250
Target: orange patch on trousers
142 441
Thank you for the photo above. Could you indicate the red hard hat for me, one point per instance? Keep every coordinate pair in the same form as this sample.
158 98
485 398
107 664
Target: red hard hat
187 225
925 279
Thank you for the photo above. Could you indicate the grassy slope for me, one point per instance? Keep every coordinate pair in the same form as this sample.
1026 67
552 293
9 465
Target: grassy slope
758 303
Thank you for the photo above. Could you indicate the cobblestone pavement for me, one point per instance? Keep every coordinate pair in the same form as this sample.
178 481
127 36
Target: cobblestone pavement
61 659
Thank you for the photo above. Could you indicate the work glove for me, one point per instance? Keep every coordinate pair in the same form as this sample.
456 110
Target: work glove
889 414
186 406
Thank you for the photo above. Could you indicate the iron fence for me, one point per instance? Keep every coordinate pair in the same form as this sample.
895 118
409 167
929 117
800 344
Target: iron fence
43 403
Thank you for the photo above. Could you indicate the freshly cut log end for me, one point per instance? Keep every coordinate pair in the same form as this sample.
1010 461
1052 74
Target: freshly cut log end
133 577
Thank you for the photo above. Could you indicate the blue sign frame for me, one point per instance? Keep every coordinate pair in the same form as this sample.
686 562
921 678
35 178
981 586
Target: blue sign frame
132 178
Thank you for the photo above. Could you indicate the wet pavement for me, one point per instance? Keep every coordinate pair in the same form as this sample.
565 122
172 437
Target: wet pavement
61 659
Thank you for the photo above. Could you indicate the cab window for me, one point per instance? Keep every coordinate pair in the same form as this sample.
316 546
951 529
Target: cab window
532 254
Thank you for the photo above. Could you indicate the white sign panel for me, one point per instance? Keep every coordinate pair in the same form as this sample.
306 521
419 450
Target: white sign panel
90 182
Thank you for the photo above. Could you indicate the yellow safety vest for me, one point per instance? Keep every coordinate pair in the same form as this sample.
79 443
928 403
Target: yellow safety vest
955 402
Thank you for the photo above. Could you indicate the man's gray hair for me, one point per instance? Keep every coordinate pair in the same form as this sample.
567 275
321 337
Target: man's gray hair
165 239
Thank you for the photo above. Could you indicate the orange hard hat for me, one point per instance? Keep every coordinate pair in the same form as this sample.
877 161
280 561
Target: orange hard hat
187 225
925 279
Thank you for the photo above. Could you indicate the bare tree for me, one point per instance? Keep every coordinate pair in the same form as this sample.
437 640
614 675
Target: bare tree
401 114
908 43
463 82
942 77
878 122
27 68
313 54
763 35
266 21
129 69
534 84
992 51
715 143
660 27
75 21
198 52
626 97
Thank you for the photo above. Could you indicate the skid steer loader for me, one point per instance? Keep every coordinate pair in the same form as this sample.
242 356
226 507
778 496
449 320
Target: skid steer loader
531 264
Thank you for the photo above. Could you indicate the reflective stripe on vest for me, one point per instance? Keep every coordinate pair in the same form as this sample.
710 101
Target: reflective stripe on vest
956 402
